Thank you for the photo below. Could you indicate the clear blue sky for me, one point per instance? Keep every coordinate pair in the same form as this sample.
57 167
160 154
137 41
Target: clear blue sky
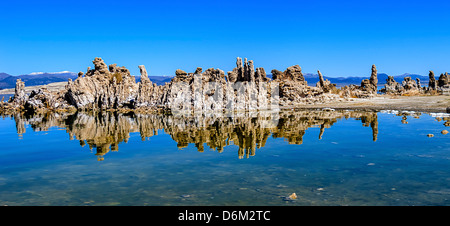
339 38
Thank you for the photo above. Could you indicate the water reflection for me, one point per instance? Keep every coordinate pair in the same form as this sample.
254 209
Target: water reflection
104 131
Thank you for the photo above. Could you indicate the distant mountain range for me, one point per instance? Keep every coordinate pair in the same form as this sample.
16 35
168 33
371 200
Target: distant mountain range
36 78
43 78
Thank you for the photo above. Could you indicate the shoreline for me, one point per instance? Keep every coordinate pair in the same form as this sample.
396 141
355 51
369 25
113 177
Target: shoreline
438 104
112 88
427 104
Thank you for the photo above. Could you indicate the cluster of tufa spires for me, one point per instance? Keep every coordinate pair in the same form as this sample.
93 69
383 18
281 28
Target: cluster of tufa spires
244 88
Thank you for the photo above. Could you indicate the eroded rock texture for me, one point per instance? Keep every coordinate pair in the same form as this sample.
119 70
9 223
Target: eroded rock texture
370 85
103 88
244 88
414 87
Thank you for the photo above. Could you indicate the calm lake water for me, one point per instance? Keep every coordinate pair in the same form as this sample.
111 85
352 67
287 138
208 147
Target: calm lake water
325 157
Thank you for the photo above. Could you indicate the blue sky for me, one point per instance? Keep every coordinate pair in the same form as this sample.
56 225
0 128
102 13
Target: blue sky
339 38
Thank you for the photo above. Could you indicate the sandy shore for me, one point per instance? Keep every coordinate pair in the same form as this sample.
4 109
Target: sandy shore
386 102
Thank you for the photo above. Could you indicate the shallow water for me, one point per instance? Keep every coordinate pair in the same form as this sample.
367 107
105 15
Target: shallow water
5 97
326 158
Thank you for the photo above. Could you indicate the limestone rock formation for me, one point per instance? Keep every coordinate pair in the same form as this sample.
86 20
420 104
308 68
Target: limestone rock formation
148 93
41 98
294 90
370 85
292 73
103 88
443 79
432 81
391 86
373 78
104 131
407 87
244 88
414 87
410 85
246 72
367 89
20 96
325 85
419 86
442 85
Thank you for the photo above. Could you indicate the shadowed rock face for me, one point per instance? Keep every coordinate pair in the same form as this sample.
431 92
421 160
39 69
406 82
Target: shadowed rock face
367 89
249 131
444 80
432 81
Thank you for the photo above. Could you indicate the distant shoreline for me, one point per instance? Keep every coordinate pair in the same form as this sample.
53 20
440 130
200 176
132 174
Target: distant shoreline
425 103
56 86
430 104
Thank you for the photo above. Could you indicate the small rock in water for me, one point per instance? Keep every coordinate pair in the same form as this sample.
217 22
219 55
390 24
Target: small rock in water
430 135
293 196
444 131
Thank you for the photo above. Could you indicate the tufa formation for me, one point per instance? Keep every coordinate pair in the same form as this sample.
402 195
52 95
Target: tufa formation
242 89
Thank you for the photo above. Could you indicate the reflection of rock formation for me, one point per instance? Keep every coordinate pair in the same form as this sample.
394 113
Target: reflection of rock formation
249 131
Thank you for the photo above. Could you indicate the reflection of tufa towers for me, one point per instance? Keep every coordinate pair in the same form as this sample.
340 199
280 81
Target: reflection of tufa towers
104 131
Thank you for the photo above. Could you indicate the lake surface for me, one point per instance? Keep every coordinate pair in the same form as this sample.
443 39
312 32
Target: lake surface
324 157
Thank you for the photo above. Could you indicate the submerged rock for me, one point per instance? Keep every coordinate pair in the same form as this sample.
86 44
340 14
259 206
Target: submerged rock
293 196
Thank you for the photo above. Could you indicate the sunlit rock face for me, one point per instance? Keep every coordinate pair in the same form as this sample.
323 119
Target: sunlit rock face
367 89
103 88
407 87
244 88
210 91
